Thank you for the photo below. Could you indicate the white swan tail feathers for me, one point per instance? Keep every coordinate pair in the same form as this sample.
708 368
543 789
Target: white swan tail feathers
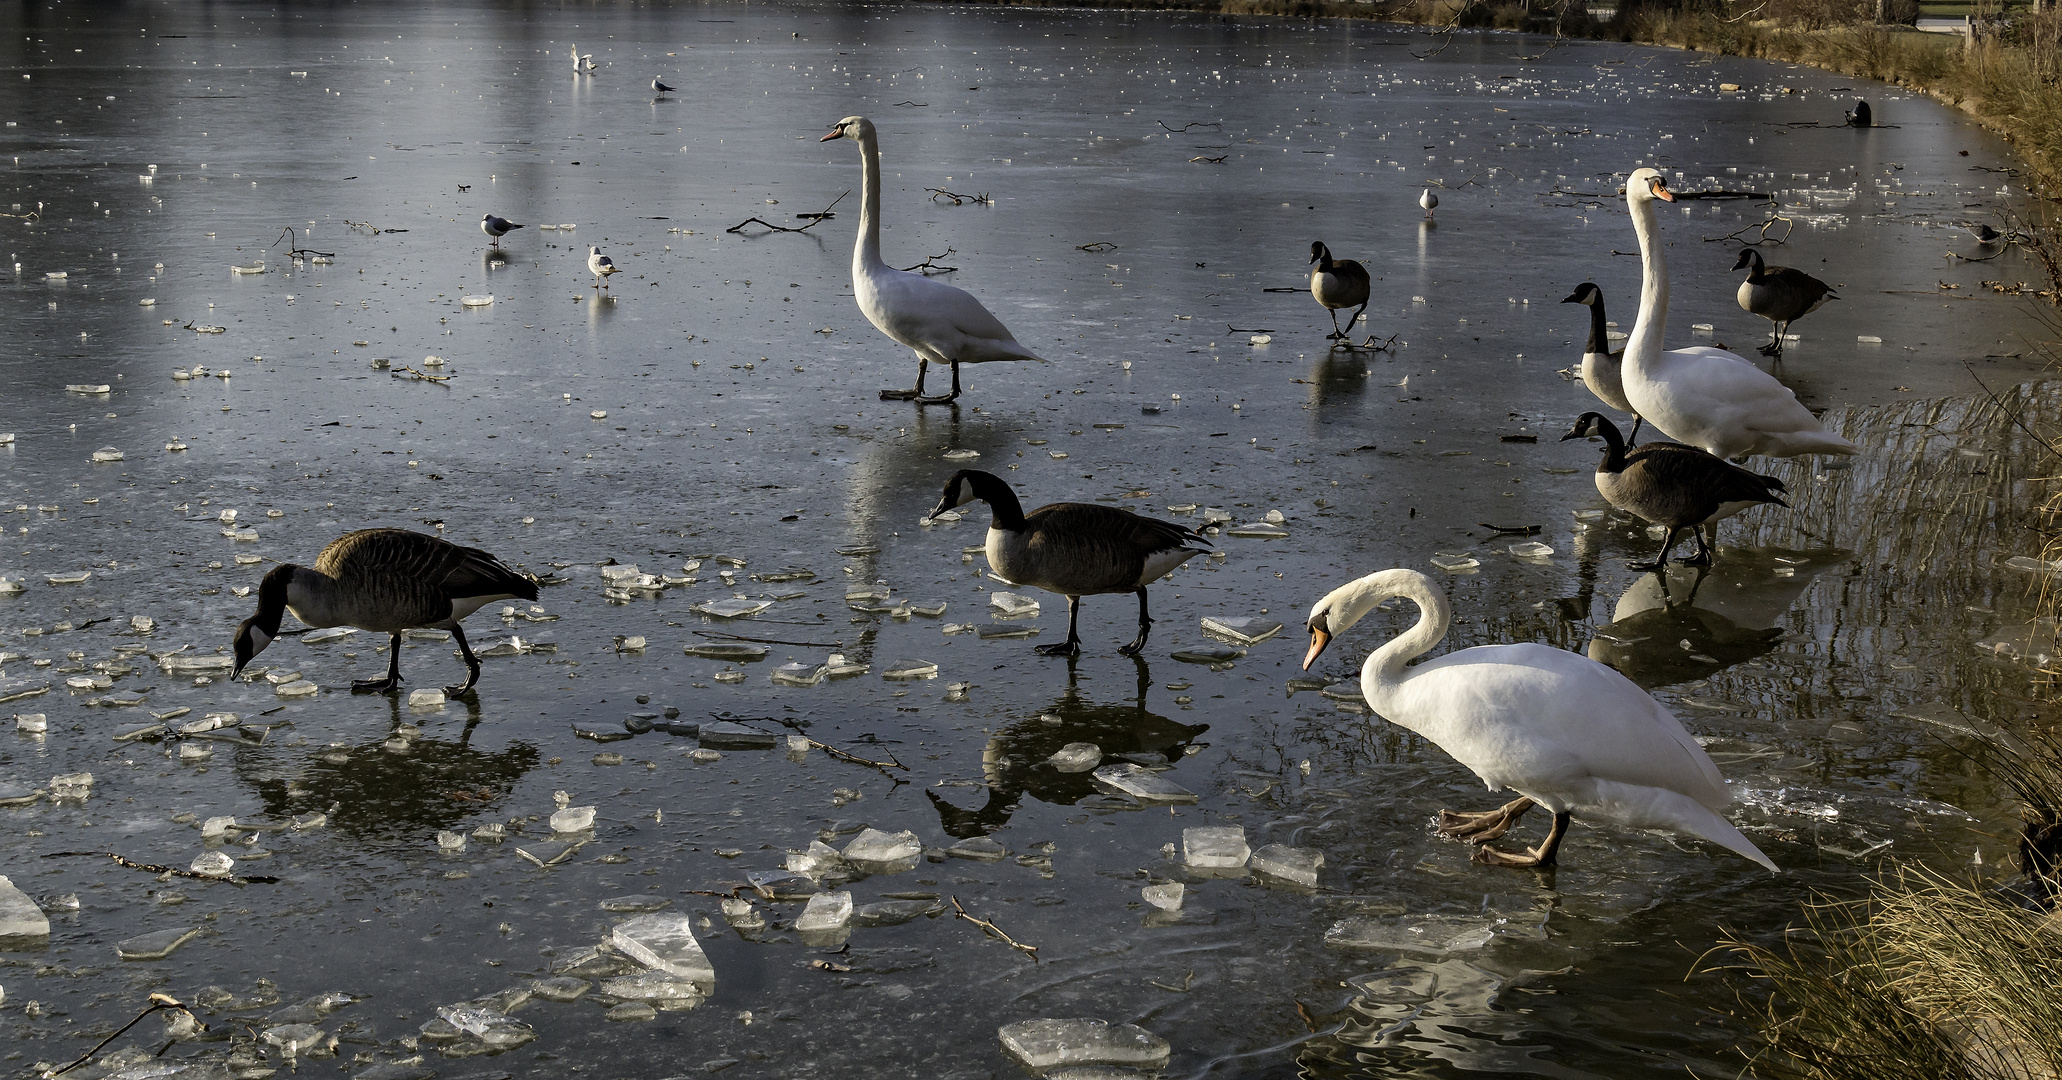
1658 808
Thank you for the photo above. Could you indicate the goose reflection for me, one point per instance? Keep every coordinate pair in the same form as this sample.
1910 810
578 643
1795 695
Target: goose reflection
396 785
1013 762
1696 621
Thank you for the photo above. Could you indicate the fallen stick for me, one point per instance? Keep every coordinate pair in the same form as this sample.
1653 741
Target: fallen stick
815 219
994 929
157 869
157 1001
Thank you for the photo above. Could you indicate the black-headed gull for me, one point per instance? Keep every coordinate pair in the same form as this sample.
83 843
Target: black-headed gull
601 266
497 227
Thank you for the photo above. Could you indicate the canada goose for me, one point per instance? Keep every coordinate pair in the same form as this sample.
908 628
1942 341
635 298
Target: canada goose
659 87
1779 294
1700 395
1340 283
942 324
1073 549
1599 363
1672 485
1861 116
601 266
385 581
1562 730
1429 201
497 227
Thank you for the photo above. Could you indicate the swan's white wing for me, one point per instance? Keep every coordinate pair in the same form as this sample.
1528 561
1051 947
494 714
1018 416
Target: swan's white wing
1718 400
931 316
1551 723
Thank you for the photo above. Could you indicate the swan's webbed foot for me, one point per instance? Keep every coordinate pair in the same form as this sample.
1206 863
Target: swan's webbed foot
1532 857
375 686
941 399
1483 826
1069 648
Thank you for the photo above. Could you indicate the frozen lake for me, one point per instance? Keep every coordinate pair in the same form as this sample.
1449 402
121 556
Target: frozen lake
1146 180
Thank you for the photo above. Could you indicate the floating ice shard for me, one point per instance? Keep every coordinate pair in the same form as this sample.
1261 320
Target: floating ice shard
1437 935
155 946
1076 757
19 915
1143 784
32 723
733 608
1010 604
1166 897
1207 654
572 819
497 1030
799 674
995 631
74 579
719 735
665 943
1531 549
477 301
1455 563
1052 1043
724 650
88 388
1245 629
216 827
196 664
1291 864
817 860
1215 846
837 667
447 840
978 848
893 912
426 698
743 914
961 455
875 846
213 864
107 453
910 669
327 633
303 688
825 911
655 986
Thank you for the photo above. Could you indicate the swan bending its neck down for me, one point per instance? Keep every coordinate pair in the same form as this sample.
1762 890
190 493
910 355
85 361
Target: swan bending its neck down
944 325
1562 730
1700 395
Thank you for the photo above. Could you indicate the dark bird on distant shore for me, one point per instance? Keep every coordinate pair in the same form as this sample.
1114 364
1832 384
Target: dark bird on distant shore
1860 116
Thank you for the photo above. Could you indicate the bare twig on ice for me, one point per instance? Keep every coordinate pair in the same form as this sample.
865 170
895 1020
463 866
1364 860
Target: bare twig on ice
1192 124
157 1002
814 219
1763 228
297 251
931 266
1031 950
941 195
156 869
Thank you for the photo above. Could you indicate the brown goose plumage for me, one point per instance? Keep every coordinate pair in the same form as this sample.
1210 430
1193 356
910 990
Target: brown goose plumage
385 581
1779 294
1672 485
1338 283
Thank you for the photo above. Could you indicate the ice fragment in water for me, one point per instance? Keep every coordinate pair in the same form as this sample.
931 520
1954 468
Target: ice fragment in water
1437 935
1292 864
1207 654
493 832
733 608
798 746
961 455
87 388
560 988
1246 630
107 453
19 915
977 848
76 785
723 650
1165 897
327 633
1076 757
665 943
294 1039
1260 339
1052 1043
448 840
213 864
155 946
217 826
825 911
720 735
572 819
2031 565
74 579
1258 530
1010 603
910 669
1867 339
995 631
798 674
875 846
1143 784
495 1029
743 914
816 860
476 301
142 624
548 853
304 688
629 644
656 986
32 723
195 664
836 666
1215 846
1531 549
892 912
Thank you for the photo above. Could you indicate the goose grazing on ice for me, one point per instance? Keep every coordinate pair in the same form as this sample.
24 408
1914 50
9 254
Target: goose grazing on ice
1073 549
1778 294
659 87
1599 363
497 227
944 325
384 581
601 266
1701 395
1672 485
1429 201
1338 283
1562 730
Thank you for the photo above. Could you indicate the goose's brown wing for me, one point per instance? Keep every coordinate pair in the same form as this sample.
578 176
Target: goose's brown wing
1700 476
1084 548
413 577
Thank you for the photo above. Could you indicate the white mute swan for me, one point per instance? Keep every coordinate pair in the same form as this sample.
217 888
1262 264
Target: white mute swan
944 325
1074 549
1700 395
1562 730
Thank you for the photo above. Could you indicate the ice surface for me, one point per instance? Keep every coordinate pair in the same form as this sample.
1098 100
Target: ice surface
296 1039
893 912
559 988
1208 654
817 860
492 1028
1243 629
825 911
875 846
1291 864
665 943
1053 1043
1143 784
156 945
1165 897
910 669
572 819
1215 846
1076 757
1455 563
1436 935
652 986
1011 604
729 651
19 915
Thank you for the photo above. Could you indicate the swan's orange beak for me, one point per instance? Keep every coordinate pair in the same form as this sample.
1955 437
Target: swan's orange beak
836 133
1318 640
1661 190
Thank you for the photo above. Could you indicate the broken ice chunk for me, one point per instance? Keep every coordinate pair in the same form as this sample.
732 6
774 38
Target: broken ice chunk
155 946
727 736
32 723
825 911
74 579
19 915
1013 604
1048 1044
1076 757
733 608
304 688
1292 864
781 884
837 667
448 840
1258 530
426 698
961 455
213 864
893 912
799 674
107 453
819 859
1244 629
910 669
730 651
665 943
875 846
977 848
1215 846
1166 897
1207 654
657 987
492 1028
216 827
1531 549
1455 563
743 914
995 631
1143 784
572 819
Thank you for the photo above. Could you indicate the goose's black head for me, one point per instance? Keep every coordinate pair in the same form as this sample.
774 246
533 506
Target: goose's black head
1585 426
961 490
258 631
1748 257
1585 293
1319 252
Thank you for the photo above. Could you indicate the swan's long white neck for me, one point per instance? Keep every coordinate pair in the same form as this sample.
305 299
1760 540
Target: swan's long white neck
1644 343
866 254
1383 671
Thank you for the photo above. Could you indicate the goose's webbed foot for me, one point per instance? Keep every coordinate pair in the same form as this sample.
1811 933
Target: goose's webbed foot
375 686
1069 648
